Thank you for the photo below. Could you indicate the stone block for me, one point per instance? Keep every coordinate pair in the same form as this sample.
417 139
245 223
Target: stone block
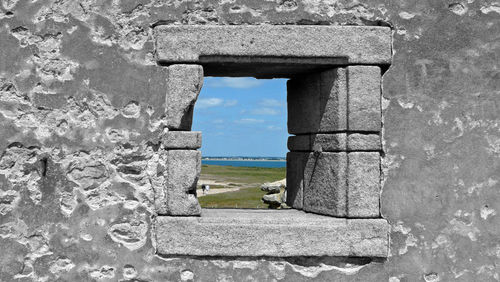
325 190
271 188
295 165
277 233
363 142
365 112
193 43
364 185
184 83
317 102
333 100
299 143
303 96
181 140
318 142
181 176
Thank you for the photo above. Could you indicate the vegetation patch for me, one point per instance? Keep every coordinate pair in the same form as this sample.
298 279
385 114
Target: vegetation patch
245 180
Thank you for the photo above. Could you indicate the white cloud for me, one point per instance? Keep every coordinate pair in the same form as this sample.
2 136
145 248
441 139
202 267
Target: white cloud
270 103
214 102
208 103
232 82
249 121
230 103
273 128
265 111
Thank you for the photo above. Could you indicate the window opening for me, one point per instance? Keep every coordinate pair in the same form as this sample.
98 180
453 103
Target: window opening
243 121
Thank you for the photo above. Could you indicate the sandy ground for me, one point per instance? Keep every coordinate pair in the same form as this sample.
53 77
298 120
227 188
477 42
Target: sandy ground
199 192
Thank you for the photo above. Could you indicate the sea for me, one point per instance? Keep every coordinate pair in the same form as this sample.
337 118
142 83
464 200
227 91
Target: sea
246 163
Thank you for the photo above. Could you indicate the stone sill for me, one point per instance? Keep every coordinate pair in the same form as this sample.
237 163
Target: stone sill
270 233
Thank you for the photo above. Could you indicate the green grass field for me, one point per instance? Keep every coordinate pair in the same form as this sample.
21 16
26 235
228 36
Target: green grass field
245 175
248 179
246 198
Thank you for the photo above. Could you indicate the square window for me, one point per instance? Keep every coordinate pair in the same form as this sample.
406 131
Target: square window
333 167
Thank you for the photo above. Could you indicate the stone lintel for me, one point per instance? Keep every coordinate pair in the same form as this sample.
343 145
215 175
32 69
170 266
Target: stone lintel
273 45
283 233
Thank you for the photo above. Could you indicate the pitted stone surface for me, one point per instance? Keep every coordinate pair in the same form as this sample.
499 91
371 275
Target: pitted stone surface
364 185
281 233
441 116
317 102
365 112
181 176
360 45
184 83
181 140
325 184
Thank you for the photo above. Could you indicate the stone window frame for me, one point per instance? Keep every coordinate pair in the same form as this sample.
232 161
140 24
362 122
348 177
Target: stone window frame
333 167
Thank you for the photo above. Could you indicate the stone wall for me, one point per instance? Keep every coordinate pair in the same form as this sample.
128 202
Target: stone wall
82 113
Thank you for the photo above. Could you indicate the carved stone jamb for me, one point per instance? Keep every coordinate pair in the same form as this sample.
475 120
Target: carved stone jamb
182 166
335 159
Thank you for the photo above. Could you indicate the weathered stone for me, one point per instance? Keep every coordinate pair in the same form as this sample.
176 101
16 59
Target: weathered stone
184 83
181 140
282 233
270 188
318 142
181 176
364 185
303 102
360 45
295 165
365 113
325 190
317 102
49 101
363 142
283 197
333 100
273 200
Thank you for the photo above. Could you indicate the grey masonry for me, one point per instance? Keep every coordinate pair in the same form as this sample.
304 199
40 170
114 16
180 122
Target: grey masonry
317 102
278 233
184 83
181 139
191 44
332 112
335 142
333 167
364 106
181 176
83 88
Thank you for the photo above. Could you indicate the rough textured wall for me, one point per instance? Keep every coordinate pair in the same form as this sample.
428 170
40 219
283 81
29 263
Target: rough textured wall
81 107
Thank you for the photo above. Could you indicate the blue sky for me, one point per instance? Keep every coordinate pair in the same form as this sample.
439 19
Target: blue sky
242 117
